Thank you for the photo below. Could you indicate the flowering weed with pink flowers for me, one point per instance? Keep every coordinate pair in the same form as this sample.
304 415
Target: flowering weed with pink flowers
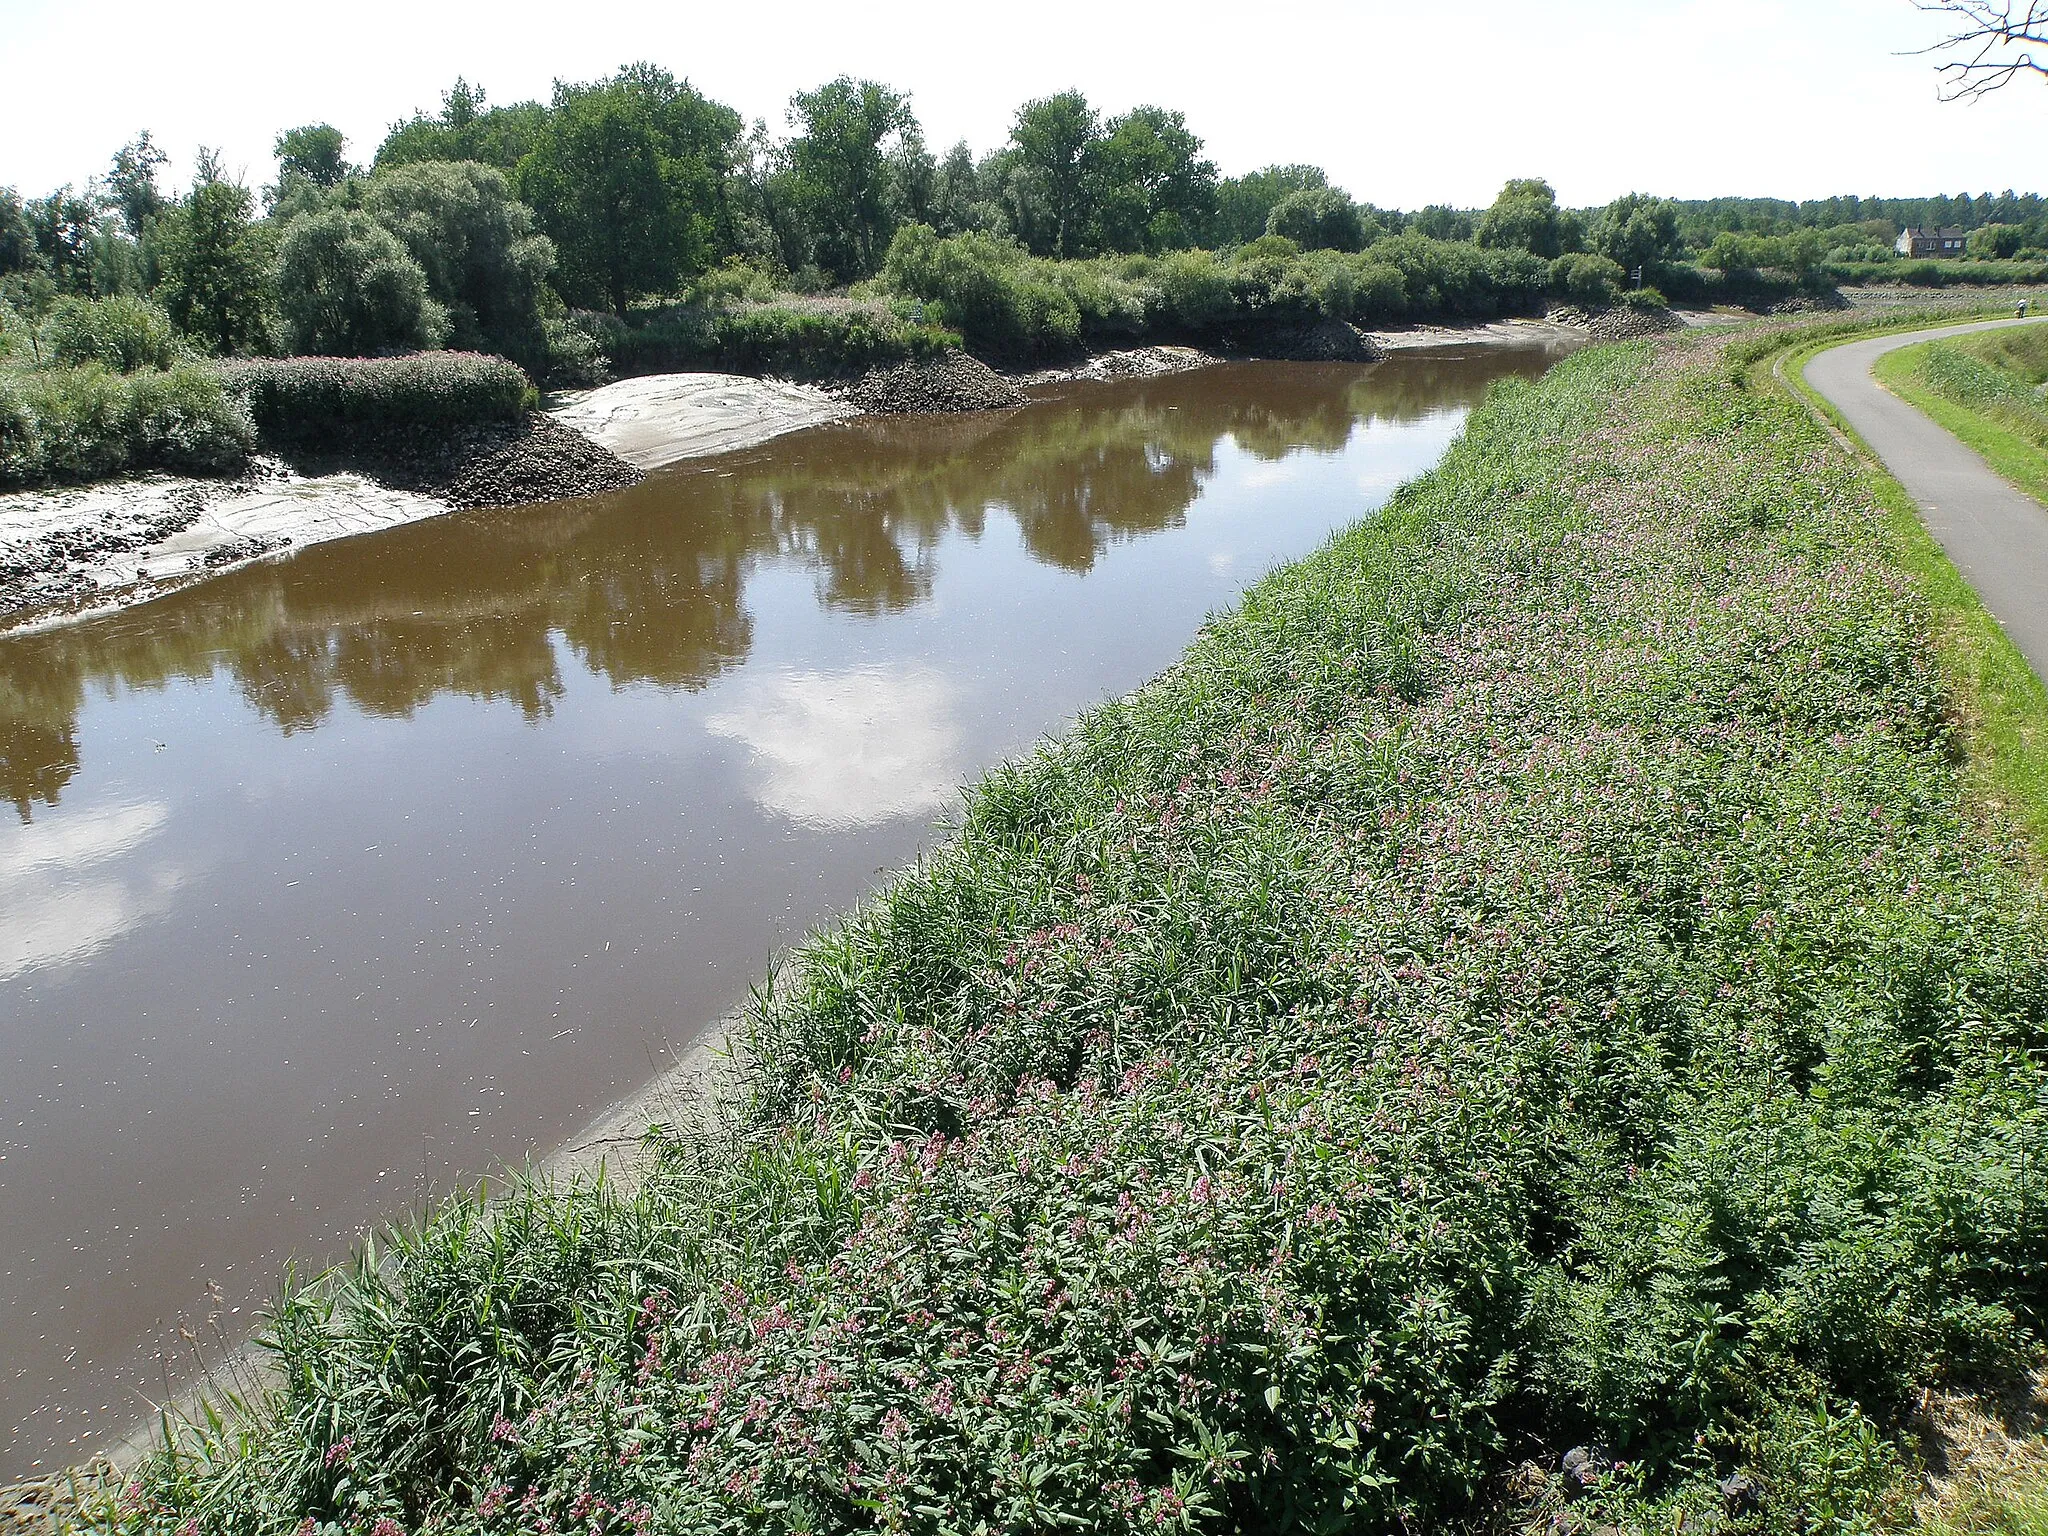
1530 979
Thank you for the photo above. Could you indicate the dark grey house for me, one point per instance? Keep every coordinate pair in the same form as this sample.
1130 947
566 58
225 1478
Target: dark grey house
1931 242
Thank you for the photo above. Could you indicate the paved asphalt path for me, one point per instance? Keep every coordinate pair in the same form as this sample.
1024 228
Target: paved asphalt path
1996 535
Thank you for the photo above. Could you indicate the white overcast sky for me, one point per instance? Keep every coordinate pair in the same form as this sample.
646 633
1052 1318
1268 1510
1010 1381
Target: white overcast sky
1405 104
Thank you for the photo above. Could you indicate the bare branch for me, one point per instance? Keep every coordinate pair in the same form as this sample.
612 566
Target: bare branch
1993 43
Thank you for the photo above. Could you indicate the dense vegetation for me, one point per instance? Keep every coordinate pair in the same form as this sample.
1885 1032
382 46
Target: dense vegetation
1530 978
544 232
631 224
2003 373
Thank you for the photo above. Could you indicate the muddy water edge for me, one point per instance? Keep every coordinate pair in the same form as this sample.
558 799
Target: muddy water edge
342 879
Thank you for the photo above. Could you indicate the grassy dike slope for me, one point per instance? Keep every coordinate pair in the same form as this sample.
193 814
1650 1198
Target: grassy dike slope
1532 976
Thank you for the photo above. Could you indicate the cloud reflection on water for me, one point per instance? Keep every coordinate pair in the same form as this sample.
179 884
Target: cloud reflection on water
848 749
51 911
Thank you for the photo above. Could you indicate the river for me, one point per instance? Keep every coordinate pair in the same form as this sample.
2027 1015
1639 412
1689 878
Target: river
337 880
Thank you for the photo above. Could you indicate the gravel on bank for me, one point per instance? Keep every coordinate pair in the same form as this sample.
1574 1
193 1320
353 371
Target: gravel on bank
496 464
954 382
1309 341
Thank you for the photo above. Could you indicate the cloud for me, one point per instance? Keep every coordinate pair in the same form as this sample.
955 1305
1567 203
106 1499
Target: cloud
55 909
847 749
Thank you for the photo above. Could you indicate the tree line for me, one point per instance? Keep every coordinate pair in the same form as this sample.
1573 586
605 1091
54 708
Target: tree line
484 226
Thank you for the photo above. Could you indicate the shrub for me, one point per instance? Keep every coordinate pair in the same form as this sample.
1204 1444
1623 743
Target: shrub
1271 288
1586 279
1109 300
1047 320
123 333
1269 248
82 417
345 286
1379 293
309 400
1194 291
21 444
986 287
17 336
1645 298
572 353
738 278
80 424
187 420
796 343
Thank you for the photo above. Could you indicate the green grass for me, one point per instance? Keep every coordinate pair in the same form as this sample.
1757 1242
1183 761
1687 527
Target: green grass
1534 975
2000 705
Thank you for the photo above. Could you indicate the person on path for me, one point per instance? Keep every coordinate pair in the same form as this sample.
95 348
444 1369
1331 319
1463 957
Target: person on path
2023 310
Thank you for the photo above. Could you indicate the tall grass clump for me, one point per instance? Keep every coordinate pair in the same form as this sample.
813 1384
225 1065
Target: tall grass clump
2001 382
1528 979
301 400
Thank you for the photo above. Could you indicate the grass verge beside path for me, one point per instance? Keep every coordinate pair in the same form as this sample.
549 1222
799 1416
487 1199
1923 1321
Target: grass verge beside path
2001 707
2022 462
1532 978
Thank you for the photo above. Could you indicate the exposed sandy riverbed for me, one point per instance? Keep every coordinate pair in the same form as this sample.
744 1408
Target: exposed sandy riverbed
663 418
81 550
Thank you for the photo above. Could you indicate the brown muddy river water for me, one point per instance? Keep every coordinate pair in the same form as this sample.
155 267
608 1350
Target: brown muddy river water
338 880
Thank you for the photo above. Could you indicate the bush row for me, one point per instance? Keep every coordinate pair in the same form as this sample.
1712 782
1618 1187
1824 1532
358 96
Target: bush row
1009 303
790 338
86 423
301 400
1938 274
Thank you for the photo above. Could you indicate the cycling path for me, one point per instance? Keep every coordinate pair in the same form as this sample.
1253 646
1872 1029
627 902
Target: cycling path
1996 535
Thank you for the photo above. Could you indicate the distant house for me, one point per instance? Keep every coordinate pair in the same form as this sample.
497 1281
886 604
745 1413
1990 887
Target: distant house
1931 242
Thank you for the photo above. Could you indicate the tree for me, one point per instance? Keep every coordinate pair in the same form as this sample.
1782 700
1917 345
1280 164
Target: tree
913 178
628 178
130 189
346 287
1525 217
1639 231
1152 189
1439 222
959 200
1996 242
1991 44
312 154
840 169
465 129
1243 203
1052 139
1319 219
17 235
212 263
483 259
